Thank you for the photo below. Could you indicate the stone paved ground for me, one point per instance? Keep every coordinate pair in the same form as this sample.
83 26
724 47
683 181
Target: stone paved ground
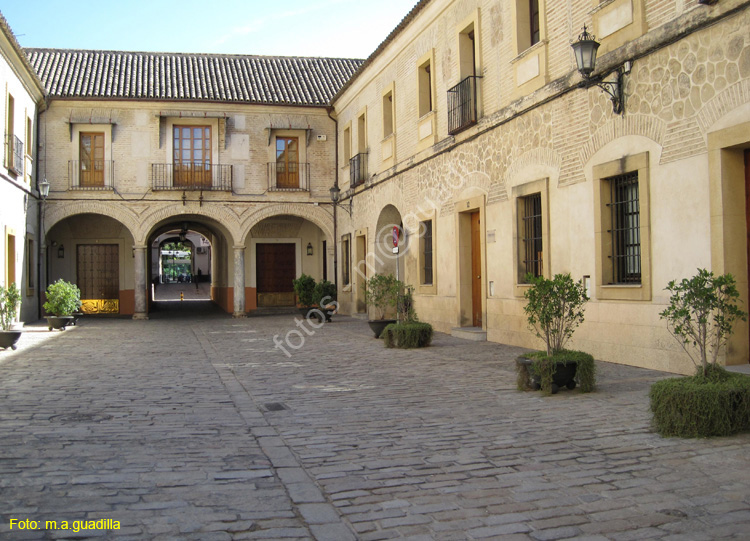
198 428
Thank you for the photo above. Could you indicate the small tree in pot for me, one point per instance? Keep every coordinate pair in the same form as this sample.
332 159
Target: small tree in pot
381 294
10 300
304 288
554 309
324 295
701 315
63 300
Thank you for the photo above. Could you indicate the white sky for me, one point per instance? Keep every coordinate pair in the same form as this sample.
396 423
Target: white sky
337 28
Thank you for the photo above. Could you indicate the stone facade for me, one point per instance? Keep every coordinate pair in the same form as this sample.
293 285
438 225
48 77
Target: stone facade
688 79
19 207
138 140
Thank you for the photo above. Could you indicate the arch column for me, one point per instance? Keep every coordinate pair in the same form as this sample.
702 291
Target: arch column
239 282
141 296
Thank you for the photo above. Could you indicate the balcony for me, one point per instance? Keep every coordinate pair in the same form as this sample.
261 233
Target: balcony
91 175
191 177
14 154
288 176
358 169
462 105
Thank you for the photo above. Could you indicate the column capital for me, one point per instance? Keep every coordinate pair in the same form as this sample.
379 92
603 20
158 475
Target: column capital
239 247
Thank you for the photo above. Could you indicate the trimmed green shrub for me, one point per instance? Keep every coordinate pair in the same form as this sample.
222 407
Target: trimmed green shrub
304 288
413 334
324 293
63 298
543 369
710 403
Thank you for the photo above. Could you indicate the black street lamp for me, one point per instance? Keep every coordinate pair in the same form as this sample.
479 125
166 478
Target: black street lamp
585 50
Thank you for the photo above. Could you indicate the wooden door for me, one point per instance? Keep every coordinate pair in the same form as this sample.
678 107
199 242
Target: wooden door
287 162
192 156
476 270
91 160
747 209
98 277
276 269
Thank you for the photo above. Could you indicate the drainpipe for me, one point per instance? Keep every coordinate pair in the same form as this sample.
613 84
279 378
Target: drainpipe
336 184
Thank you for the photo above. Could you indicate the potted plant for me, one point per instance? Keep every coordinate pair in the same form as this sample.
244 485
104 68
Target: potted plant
63 299
554 309
10 300
701 313
408 332
381 293
324 296
304 288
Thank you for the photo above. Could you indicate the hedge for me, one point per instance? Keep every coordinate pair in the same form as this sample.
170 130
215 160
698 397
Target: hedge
701 406
407 335
543 369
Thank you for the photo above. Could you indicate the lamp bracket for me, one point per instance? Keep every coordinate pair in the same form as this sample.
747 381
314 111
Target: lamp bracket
614 89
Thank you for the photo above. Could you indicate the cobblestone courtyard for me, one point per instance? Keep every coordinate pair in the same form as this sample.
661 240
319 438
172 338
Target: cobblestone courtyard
198 428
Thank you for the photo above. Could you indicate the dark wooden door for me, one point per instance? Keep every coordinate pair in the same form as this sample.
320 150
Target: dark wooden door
276 269
747 208
476 270
98 277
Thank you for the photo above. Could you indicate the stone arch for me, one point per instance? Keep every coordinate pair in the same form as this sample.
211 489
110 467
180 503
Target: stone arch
546 157
315 214
57 212
647 126
723 103
220 216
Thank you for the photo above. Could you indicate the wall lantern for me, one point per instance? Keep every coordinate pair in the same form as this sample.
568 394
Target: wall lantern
44 188
585 50
336 197
309 248
61 252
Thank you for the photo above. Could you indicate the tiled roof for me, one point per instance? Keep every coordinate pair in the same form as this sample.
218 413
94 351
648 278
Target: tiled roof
192 77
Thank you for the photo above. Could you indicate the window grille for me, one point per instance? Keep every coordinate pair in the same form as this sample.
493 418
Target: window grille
427 251
532 235
626 231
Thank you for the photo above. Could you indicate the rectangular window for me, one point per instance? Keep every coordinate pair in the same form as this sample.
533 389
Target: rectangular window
29 135
347 144
30 266
346 259
425 89
361 134
534 30
387 114
626 236
91 162
287 162
192 156
531 247
427 262
9 133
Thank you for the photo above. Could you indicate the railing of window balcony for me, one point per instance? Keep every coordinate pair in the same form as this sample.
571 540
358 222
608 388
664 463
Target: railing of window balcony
358 169
91 174
462 105
191 177
14 153
288 176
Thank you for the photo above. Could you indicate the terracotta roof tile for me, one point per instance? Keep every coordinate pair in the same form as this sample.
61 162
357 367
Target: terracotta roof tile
68 73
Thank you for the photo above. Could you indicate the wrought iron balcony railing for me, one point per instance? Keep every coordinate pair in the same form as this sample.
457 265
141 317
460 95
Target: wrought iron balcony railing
91 174
358 169
288 176
14 154
462 105
191 177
